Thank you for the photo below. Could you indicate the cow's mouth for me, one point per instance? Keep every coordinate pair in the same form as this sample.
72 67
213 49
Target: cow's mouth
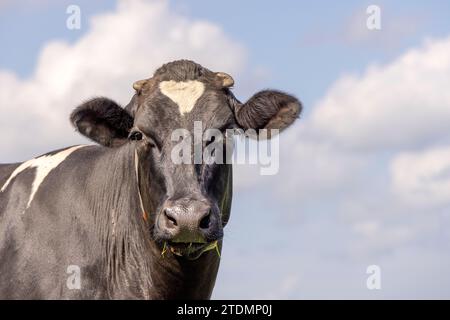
191 250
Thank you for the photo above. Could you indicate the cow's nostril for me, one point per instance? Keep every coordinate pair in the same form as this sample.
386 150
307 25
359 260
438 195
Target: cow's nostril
171 219
204 223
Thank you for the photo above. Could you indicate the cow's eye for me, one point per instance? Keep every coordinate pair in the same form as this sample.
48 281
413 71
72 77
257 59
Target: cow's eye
135 135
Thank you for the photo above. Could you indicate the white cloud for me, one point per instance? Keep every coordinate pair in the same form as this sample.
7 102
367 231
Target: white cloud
119 48
422 178
404 103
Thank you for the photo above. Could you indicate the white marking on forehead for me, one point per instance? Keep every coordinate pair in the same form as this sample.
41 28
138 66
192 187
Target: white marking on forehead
184 93
43 166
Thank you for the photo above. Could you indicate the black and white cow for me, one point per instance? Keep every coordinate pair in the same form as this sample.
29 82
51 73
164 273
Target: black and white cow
123 217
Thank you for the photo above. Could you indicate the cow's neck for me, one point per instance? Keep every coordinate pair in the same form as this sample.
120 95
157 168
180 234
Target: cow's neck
134 263
177 278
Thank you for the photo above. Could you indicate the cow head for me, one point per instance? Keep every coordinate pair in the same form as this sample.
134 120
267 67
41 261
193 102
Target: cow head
189 203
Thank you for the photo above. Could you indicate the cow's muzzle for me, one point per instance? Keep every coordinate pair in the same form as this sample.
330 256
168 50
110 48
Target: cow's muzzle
188 225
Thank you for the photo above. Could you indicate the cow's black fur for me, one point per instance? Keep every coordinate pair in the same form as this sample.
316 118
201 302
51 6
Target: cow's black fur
87 212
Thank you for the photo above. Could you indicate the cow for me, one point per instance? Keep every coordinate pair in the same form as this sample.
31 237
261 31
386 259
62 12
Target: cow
120 219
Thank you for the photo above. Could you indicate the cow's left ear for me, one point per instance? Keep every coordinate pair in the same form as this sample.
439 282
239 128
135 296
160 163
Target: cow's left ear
268 109
103 121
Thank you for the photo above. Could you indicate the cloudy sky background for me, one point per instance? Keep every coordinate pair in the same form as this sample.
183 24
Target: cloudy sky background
364 175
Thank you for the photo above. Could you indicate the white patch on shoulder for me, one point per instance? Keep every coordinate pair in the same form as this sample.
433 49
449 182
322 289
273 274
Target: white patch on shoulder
43 166
184 93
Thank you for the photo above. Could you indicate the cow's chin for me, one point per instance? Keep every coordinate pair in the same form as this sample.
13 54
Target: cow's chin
189 251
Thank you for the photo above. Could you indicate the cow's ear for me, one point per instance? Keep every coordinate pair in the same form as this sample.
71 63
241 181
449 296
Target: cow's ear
268 109
103 121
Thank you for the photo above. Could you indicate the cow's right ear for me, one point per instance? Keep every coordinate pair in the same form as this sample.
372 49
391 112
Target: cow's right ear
103 121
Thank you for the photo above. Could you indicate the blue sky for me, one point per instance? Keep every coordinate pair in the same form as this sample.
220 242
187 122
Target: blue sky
276 34
362 176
